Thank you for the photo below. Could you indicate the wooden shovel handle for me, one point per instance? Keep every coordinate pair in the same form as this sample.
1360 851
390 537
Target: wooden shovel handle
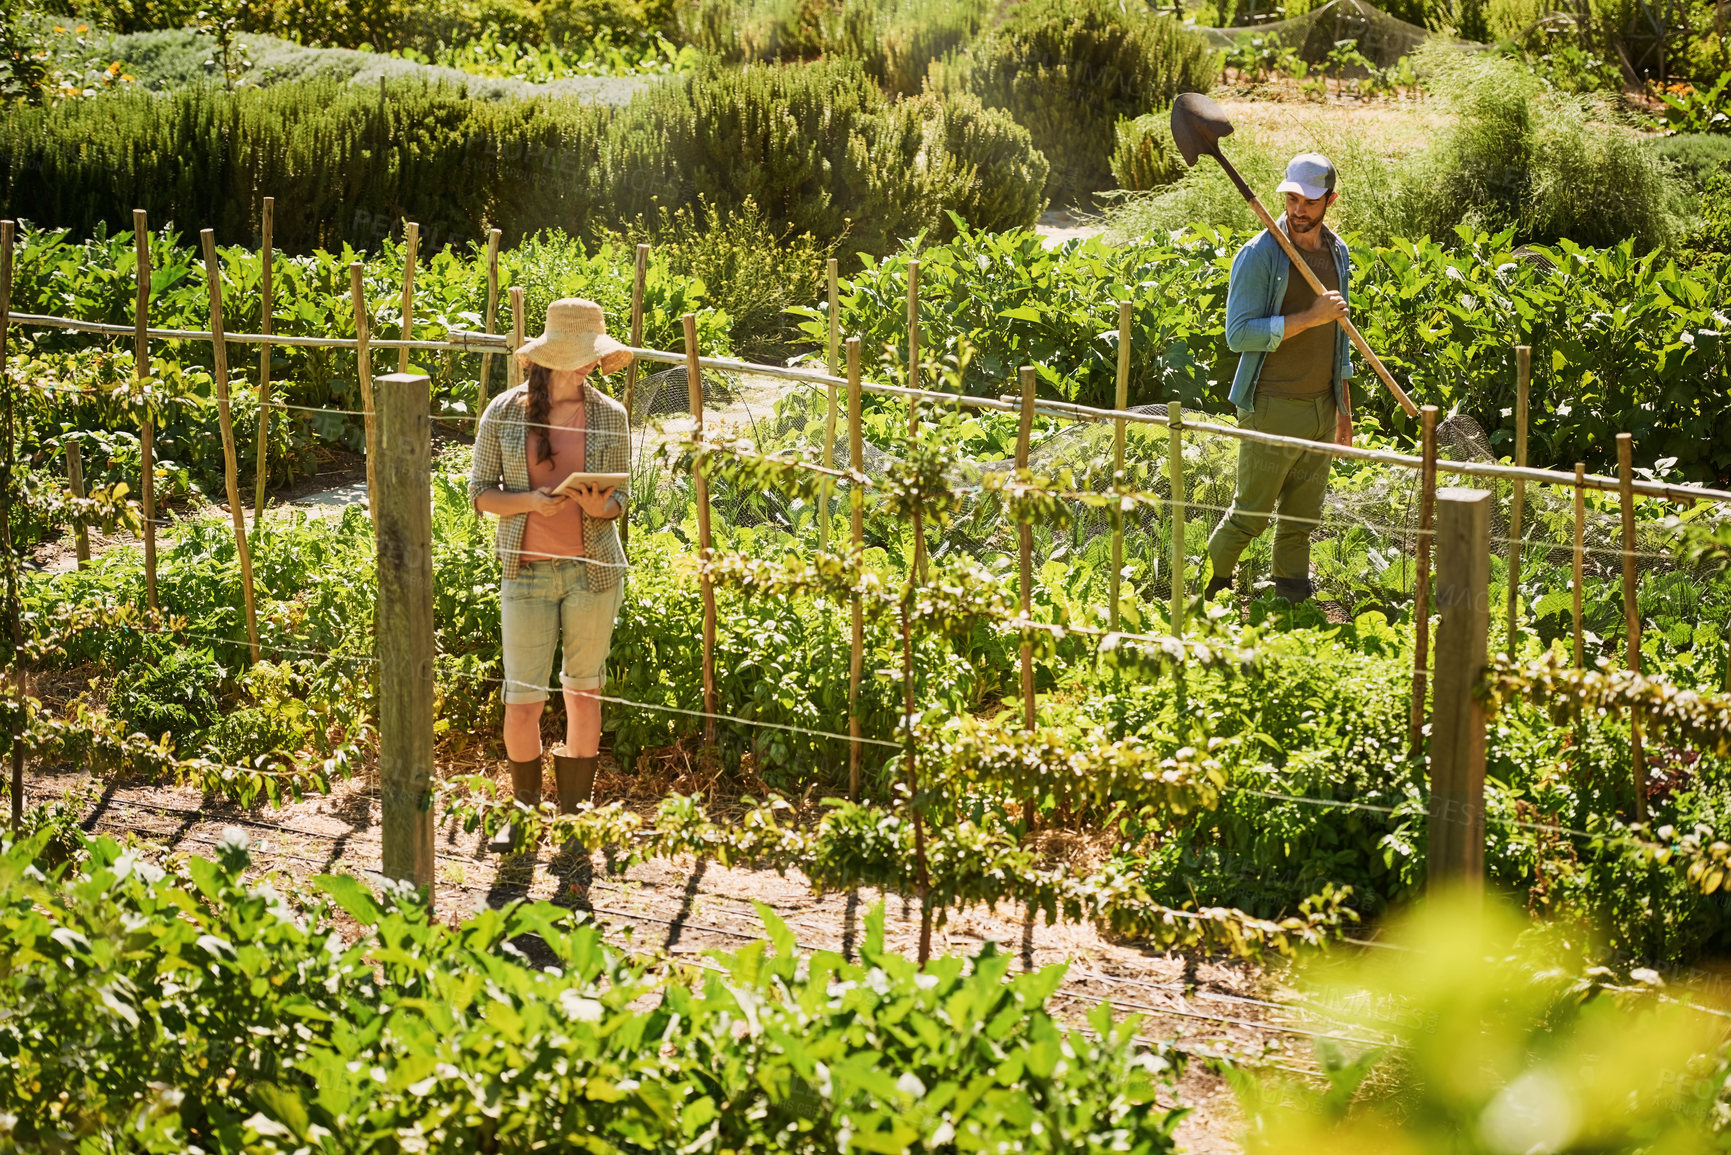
1303 266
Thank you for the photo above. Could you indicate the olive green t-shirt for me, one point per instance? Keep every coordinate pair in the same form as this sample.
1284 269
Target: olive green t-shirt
1303 366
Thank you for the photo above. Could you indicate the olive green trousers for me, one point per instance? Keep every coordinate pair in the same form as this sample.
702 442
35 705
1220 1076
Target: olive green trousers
1288 484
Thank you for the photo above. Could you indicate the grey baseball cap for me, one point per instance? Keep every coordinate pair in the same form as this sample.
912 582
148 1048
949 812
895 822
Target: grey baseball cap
1310 175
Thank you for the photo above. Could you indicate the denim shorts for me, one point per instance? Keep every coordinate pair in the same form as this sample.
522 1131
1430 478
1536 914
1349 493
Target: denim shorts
547 605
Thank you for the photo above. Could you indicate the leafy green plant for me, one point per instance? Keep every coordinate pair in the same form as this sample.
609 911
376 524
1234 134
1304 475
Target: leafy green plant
1570 1057
1691 109
180 694
240 1019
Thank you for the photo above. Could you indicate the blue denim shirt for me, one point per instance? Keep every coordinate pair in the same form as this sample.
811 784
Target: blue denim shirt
1254 325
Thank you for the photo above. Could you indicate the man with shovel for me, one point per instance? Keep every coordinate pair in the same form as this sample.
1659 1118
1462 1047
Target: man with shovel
1292 380
1292 375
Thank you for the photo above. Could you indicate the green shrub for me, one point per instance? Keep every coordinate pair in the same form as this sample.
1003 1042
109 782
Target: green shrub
1524 156
817 148
178 695
895 40
1144 156
336 158
1068 72
820 150
749 271
1695 158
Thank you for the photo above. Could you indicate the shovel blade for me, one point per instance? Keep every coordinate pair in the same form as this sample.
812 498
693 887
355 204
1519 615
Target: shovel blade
1198 123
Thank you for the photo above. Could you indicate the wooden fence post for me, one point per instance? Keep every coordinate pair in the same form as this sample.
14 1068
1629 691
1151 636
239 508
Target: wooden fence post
1025 552
1580 559
1421 583
492 319
404 531
834 370
1631 612
13 617
147 425
1457 765
639 280
1175 475
1122 400
856 503
364 371
700 489
75 478
231 471
1518 500
513 370
411 244
262 465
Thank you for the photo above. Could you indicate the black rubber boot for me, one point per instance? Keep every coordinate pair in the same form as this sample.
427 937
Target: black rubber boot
525 788
576 779
1294 590
1215 585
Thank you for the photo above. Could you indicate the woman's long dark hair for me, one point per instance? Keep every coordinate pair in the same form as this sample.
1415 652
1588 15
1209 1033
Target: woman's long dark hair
540 407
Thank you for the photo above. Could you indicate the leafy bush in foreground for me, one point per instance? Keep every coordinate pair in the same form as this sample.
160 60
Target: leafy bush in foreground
157 1010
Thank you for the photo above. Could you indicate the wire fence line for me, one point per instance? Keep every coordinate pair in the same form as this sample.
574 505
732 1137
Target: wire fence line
465 341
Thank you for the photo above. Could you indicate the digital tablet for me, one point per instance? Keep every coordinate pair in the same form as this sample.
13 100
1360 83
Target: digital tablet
599 480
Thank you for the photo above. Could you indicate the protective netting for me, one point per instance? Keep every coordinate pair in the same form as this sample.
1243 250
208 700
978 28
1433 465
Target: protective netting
1383 39
1362 552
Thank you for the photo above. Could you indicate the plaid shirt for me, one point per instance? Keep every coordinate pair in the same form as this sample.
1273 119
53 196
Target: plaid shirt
502 462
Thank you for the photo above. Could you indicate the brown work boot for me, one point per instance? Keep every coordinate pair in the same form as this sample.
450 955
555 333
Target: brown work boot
576 780
525 788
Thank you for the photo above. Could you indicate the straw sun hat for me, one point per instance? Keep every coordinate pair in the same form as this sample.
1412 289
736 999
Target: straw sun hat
575 336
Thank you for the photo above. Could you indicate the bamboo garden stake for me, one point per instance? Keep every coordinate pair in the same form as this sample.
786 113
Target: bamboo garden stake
1518 500
1632 613
13 618
856 508
411 243
1421 584
1175 425
492 320
919 569
146 423
513 370
1580 559
834 370
1118 430
364 370
639 280
1025 555
261 469
700 489
75 478
213 275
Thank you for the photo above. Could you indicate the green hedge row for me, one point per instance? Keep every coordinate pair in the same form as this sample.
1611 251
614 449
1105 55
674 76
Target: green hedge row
818 148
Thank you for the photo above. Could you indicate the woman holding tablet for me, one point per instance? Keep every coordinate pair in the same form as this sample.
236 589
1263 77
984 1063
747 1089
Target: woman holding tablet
558 545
